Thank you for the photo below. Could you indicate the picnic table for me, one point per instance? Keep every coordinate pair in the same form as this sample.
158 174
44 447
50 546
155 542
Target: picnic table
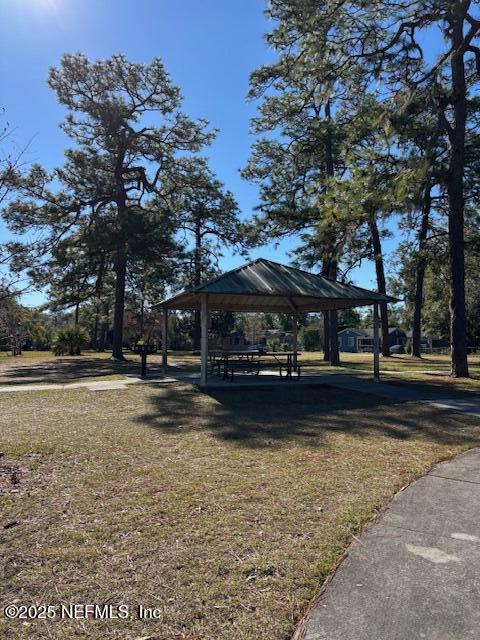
251 361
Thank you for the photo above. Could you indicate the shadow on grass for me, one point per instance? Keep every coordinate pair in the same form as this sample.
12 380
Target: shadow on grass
269 417
61 371
436 386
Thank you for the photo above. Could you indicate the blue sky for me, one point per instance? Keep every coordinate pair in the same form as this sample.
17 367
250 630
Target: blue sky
209 47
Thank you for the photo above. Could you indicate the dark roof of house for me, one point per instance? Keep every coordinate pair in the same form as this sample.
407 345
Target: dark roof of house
359 332
423 336
263 285
368 332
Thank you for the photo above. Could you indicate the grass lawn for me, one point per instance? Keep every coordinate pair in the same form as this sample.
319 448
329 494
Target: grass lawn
225 510
6 358
39 367
32 358
397 362
430 370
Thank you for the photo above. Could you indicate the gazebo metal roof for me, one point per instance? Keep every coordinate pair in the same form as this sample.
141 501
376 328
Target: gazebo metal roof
263 285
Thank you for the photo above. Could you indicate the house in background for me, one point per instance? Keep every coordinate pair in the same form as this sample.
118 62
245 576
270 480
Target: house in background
237 340
426 342
355 340
277 336
234 340
430 343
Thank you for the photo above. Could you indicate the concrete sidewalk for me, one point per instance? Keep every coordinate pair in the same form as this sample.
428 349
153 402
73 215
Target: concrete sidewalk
95 385
415 573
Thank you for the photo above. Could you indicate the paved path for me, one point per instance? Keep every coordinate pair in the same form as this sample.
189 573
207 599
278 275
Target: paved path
96 385
415 573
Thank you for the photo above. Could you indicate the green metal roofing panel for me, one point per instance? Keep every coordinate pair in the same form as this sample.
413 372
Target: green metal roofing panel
263 285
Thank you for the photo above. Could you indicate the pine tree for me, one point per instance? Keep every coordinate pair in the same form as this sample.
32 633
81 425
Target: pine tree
209 215
383 39
295 168
119 156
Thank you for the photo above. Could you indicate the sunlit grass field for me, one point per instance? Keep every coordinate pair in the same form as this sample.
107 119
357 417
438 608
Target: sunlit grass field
430 370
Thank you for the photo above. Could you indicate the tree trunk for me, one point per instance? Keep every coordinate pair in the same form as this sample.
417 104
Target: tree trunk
104 328
119 307
120 260
331 352
197 279
330 329
76 352
196 330
95 332
327 343
333 324
420 275
456 204
103 336
326 336
142 318
334 352
381 283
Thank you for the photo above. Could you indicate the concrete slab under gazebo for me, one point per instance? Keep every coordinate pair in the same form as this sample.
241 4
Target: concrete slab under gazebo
266 286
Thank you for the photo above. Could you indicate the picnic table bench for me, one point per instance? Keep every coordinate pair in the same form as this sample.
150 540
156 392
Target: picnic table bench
226 363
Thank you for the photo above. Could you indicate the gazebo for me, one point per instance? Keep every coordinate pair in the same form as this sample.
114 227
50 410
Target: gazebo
266 286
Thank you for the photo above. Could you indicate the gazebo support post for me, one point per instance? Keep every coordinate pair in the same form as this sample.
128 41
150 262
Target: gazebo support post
164 340
295 339
204 340
376 345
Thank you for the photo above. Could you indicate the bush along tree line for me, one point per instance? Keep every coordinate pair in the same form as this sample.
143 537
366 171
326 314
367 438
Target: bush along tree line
359 128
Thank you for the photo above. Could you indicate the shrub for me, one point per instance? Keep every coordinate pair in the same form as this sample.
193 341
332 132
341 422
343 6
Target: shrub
70 340
311 338
42 338
274 344
408 346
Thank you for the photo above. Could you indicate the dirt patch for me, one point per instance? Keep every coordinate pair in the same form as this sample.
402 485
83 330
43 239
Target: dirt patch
18 476
11 475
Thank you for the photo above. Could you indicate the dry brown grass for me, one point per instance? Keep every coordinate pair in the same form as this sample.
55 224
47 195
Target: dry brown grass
34 358
225 510
430 371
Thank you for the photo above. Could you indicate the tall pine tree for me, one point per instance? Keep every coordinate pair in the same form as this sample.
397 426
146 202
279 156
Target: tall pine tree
128 129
